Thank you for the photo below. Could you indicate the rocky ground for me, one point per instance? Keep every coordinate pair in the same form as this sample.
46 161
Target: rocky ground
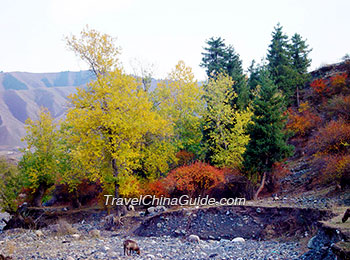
48 244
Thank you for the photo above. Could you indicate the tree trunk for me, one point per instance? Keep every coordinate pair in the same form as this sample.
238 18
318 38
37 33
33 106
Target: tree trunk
298 99
115 174
120 209
261 187
75 202
38 195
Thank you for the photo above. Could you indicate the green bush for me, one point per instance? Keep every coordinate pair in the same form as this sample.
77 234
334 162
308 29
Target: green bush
11 184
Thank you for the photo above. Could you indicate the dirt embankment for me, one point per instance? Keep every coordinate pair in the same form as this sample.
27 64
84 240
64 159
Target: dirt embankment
227 222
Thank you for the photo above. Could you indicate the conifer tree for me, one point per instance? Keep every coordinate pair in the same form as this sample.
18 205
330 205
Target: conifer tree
267 143
280 63
299 51
219 58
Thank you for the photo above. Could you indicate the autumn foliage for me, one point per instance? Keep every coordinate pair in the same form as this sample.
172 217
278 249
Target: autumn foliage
334 85
193 180
184 157
334 138
196 178
338 82
320 87
330 147
301 122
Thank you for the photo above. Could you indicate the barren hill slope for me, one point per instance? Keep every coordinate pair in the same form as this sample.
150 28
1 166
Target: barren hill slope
22 94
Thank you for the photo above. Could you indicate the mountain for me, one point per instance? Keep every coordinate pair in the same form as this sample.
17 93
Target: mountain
23 93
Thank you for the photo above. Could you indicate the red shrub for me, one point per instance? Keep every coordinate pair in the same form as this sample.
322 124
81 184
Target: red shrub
157 188
195 179
184 157
320 87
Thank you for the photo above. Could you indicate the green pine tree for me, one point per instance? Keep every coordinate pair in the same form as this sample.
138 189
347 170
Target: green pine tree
299 52
219 58
280 63
267 143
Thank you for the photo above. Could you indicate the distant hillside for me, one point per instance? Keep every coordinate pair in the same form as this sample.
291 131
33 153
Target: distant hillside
22 94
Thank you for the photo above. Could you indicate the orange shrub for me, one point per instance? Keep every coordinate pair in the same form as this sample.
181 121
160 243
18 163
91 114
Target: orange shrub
339 82
333 167
303 121
334 138
195 179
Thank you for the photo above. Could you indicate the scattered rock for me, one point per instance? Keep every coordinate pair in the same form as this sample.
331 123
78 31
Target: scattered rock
39 233
238 240
76 236
313 243
95 233
194 239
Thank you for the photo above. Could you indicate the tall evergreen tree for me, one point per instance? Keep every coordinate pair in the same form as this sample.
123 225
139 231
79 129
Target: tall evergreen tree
215 57
299 51
267 143
280 63
219 58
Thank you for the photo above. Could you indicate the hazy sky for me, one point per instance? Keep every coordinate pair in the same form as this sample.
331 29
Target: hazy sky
163 31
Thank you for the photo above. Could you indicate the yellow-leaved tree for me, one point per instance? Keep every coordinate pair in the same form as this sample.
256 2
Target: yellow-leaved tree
40 161
227 135
179 99
111 119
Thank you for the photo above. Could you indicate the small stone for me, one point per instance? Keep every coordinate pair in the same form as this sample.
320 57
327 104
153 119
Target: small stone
238 240
258 210
39 233
149 256
159 225
194 239
95 233
76 236
312 244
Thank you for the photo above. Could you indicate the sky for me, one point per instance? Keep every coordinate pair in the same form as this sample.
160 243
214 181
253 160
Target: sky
162 32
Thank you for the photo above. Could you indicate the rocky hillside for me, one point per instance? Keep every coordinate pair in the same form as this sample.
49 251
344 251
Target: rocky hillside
23 93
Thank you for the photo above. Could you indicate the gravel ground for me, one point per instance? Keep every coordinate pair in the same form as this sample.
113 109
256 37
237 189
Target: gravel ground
45 244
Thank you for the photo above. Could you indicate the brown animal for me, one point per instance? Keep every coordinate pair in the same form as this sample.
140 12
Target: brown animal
129 246
346 215
5 257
